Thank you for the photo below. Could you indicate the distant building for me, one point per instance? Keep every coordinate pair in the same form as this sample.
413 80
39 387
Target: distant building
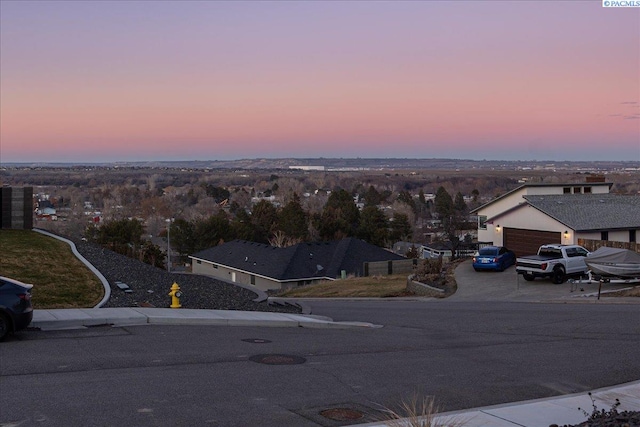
16 207
308 168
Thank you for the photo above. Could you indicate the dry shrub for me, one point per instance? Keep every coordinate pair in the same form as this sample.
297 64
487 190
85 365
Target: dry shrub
417 412
429 271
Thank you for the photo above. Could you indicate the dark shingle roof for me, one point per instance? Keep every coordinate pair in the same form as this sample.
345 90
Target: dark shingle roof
301 261
587 212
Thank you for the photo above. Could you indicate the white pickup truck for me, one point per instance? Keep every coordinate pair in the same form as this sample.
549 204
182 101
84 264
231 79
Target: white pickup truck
554 261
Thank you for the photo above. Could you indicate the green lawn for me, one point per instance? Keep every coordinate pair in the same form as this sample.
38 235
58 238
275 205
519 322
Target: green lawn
59 279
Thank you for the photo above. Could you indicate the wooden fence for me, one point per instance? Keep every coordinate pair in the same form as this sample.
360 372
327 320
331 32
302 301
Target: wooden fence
384 268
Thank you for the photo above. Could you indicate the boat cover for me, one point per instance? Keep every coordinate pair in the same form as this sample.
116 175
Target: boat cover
607 255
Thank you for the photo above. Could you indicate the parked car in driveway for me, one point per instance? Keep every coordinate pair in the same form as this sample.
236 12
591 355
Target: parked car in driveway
496 258
16 310
554 261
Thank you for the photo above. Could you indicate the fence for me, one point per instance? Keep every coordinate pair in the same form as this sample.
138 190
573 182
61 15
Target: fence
592 245
384 268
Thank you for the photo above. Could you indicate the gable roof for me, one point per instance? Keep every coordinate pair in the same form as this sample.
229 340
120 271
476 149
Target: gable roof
298 262
540 184
590 212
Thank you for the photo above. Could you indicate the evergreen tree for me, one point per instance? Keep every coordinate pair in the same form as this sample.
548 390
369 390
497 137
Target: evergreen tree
241 226
459 204
400 228
339 217
443 204
264 217
405 197
373 226
292 219
122 236
183 237
372 197
212 231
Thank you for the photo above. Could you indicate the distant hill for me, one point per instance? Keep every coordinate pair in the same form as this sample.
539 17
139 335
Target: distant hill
351 163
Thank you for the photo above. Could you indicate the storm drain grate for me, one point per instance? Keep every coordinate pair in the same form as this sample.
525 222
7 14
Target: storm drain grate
256 341
342 414
278 359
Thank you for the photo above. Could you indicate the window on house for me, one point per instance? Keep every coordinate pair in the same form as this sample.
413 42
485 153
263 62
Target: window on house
253 279
632 236
482 222
604 235
566 190
587 190
214 266
198 262
577 190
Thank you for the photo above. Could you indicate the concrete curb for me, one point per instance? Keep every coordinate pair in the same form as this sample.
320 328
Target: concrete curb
87 317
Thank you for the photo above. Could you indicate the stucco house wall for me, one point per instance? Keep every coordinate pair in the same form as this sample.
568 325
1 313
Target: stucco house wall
234 276
244 278
512 200
526 217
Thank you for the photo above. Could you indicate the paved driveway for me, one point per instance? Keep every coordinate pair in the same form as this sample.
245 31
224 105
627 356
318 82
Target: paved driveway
508 286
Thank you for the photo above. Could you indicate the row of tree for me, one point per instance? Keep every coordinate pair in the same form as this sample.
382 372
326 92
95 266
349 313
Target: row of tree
265 223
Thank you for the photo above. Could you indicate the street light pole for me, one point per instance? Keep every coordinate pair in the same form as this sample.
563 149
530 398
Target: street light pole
170 220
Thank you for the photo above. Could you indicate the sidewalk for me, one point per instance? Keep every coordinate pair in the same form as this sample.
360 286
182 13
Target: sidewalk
541 412
83 317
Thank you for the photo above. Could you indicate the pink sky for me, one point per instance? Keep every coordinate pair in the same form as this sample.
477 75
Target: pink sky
117 81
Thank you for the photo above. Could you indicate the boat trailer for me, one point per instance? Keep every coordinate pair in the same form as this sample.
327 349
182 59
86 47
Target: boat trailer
600 280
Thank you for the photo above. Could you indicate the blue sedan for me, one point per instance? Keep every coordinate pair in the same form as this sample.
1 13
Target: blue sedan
496 258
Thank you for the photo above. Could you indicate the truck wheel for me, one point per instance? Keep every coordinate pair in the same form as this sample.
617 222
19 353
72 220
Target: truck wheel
528 277
558 276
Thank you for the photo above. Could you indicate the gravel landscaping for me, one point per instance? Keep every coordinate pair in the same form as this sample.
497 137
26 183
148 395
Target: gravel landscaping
150 285
622 419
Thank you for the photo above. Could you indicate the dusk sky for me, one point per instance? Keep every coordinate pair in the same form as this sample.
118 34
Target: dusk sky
101 81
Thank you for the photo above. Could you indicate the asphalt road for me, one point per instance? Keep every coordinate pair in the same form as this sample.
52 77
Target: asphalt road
466 354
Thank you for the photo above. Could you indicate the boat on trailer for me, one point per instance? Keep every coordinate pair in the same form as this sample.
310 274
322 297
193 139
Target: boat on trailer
614 262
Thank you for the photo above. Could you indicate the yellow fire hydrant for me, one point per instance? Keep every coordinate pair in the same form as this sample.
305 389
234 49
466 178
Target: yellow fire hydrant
175 295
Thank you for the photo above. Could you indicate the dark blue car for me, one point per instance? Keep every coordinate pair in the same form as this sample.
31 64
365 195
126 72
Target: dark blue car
16 310
496 258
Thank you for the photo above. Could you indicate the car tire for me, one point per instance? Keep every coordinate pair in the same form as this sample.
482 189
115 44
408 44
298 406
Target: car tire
528 277
558 276
5 326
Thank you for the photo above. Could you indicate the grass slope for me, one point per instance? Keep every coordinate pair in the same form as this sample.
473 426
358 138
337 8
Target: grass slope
60 280
360 287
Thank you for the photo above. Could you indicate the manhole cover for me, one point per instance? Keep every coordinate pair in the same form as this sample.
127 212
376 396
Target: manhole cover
342 414
256 341
278 359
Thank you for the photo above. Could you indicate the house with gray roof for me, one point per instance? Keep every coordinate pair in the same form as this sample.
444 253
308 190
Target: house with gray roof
268 267
566 218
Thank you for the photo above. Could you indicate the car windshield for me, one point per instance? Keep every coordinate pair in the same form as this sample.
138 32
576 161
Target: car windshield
488 251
